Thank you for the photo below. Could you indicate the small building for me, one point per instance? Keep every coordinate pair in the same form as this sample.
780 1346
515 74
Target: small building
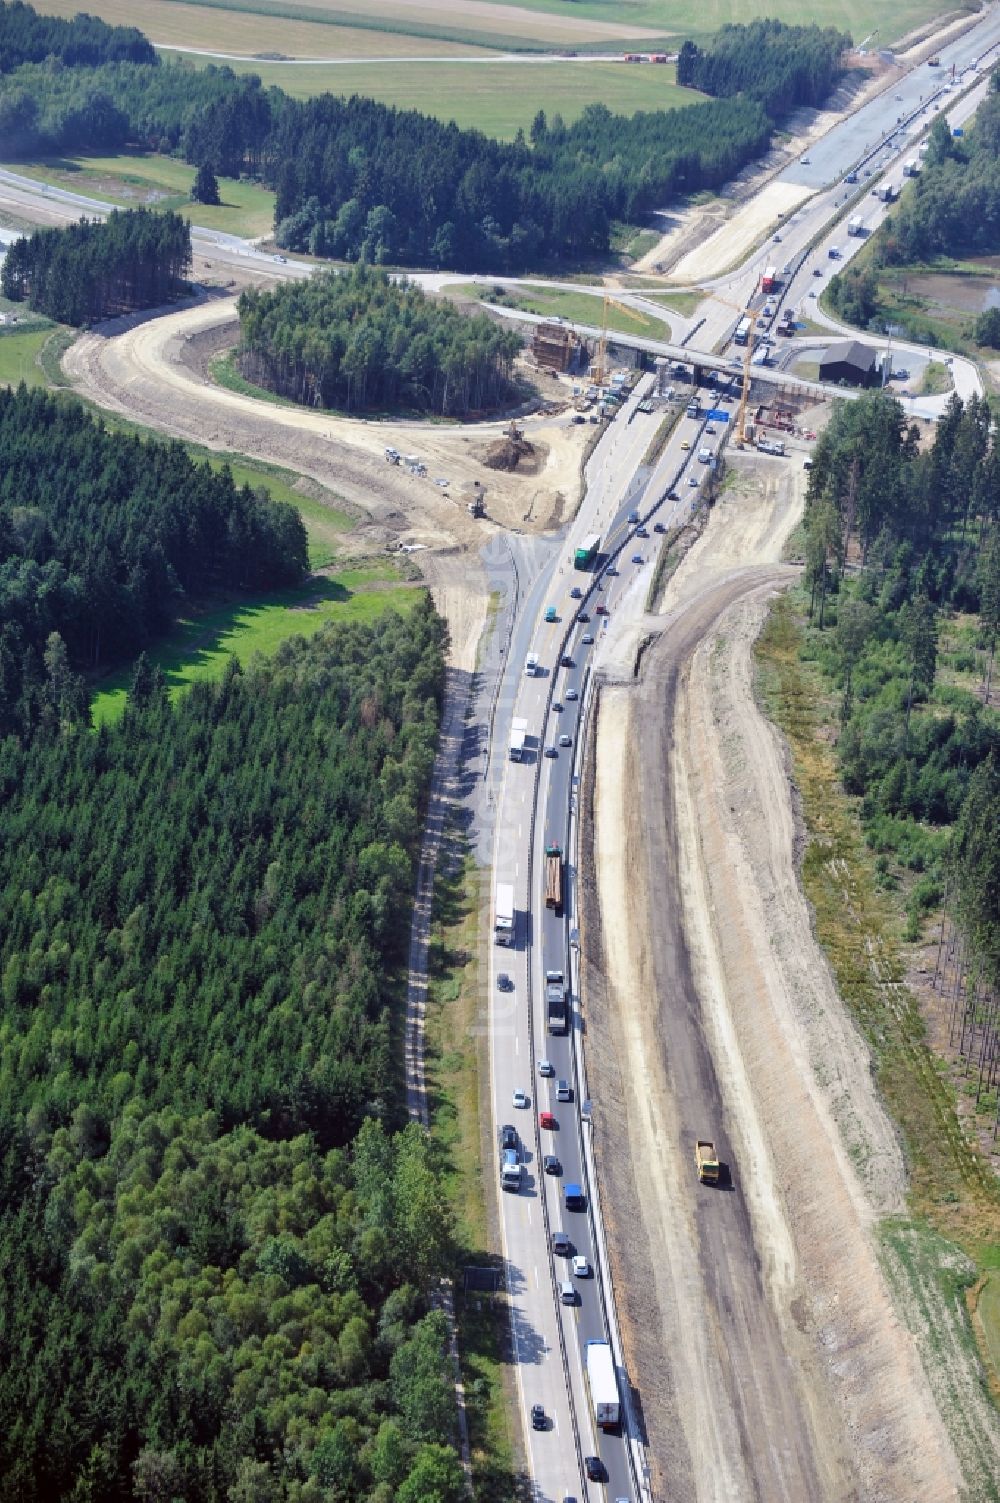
849 361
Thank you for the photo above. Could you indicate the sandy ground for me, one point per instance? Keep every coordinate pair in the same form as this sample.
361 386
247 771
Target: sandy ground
153 372
740 233
711 1011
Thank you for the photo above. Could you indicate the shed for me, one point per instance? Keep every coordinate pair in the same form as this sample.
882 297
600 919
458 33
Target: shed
849 361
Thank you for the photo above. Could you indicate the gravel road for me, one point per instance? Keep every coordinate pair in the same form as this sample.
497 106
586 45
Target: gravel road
769 1360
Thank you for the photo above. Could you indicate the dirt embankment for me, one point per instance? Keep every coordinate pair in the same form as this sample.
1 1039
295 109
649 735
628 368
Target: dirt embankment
762 1338
155 372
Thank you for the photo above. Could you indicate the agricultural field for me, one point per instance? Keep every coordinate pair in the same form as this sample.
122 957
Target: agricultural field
560 302
137 178
385 28
496 96
201 645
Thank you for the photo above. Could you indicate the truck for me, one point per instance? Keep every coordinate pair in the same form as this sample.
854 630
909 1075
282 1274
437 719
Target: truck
855 225
511 1170
886 192
588 550
911 168
693 408
550 614
742 331
707 1161
518 737
554 877
769 281
503 914
531 664
603 1382
555 1002
771 446
575 1200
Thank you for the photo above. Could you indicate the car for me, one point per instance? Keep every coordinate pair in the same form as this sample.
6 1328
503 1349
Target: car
578 417
776 239
899 98
521 1099
817 271
508 1136
672 495
551 1164
685 444
547 1121
642 532
538 1420
565 740
812 292
805 161
851 177
562 1245
900 375
594 1468
611 570
504 983
709 428
807 464
582 616
550 614
282 259
546 1067
637 558
566 660
633 516
557 707
572 694
550 751
581 1267
576 593
692 480
564 1091
602 610
587 639
658 527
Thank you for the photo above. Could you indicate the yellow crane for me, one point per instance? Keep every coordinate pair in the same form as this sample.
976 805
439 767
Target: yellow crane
600 362
742 438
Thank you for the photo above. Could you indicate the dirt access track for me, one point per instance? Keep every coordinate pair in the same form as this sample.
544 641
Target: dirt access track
153 372
768 1359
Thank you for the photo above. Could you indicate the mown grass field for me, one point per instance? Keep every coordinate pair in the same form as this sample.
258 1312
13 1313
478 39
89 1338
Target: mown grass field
136 178
201 646
496 97
374 28
19 352
559 302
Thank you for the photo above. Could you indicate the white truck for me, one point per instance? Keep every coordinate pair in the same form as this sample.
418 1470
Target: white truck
771 446
603 1383
855 225
503 914
887 192
518 737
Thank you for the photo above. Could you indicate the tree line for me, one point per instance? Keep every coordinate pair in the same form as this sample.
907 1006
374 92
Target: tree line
97 269
27 37
362 340
361 180
103 536
218 1242
784 67
900 537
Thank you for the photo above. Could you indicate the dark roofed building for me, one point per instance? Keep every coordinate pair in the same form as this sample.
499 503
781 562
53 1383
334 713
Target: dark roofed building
850 361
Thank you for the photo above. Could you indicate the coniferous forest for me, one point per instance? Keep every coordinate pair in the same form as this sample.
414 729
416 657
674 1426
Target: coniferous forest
102 539
359 180
217 1245
923 526
362 340
94 270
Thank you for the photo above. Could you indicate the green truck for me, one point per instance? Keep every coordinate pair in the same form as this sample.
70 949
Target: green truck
588 550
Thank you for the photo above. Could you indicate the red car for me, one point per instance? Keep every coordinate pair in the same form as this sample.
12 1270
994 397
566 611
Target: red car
547 1120
601 610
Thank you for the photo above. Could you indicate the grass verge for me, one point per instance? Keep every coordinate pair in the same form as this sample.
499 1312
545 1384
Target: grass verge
560 302
201 645
20 354
456 1059
859 930
138 178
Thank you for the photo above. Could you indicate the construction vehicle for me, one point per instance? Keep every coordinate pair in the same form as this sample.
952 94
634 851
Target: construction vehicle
707 1162
518 737
601 359
603 1382
554 877
588 550
392 456
503 914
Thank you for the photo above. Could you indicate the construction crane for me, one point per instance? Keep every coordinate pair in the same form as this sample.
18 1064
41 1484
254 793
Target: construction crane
600 363
742 438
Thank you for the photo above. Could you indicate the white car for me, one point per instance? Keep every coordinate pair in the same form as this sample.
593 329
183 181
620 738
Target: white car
565 740
546 1067
572 694
521 1099
587 639
581 1267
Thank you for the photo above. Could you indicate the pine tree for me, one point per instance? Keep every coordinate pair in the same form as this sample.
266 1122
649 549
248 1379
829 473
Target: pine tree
205 189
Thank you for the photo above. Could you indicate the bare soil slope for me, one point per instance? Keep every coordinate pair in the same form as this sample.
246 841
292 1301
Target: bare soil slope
769 1360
